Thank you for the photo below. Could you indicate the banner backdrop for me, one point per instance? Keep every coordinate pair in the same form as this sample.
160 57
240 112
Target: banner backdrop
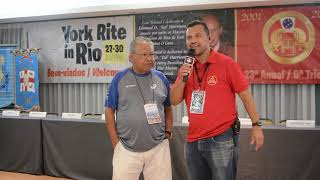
27 80
167 31
6 75
88 50
279 45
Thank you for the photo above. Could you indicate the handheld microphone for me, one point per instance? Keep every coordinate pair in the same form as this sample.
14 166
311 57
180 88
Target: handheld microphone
189 60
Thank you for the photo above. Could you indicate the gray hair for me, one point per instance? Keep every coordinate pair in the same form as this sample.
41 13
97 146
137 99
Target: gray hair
139 39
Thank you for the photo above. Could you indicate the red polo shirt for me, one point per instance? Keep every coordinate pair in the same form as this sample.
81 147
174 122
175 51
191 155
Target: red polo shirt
222 79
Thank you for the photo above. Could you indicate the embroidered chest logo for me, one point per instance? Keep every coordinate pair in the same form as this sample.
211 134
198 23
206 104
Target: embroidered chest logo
154 86
212 80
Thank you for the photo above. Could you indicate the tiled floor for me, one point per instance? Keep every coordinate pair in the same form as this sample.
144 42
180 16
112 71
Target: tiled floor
21 176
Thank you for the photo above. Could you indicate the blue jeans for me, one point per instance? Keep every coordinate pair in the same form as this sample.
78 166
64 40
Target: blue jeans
213 158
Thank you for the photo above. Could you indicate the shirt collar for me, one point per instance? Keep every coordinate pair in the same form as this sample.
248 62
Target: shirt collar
211 58
140 75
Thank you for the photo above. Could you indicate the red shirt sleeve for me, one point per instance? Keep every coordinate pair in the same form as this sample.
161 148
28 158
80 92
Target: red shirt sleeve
238 81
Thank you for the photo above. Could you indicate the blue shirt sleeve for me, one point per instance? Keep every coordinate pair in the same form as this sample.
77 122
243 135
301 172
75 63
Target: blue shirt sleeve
112 96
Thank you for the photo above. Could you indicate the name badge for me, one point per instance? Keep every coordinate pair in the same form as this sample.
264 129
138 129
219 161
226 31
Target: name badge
37 114
152 113
197 102
71 115
10 113
301 123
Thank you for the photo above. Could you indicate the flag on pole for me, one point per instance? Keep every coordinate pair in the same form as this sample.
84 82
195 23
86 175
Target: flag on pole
27 80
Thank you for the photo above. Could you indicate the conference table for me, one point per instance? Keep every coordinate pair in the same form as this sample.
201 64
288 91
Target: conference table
21 145
81 149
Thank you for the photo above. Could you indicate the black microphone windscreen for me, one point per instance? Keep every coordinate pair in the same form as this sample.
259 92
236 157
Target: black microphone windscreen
189 60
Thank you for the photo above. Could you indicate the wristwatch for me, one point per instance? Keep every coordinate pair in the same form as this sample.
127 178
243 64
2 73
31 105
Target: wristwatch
169 133
258 123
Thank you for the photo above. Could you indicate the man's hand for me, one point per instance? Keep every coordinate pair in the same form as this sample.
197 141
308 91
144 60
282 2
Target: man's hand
168 135
185 70
114 143
177 89
257 137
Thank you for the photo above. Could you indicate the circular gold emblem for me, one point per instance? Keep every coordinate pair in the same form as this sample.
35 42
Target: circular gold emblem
288 37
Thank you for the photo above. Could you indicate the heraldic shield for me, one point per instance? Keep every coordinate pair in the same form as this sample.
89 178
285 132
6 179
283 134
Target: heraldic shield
27 80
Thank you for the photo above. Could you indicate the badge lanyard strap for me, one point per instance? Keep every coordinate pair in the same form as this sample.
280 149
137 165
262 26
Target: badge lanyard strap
144 101
198 78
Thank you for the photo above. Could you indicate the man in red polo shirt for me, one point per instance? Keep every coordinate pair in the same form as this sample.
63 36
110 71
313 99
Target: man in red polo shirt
212 148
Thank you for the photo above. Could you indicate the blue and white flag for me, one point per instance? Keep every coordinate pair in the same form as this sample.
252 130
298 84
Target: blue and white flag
27 81
6 75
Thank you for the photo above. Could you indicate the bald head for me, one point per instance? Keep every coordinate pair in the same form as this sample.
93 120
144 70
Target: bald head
215 30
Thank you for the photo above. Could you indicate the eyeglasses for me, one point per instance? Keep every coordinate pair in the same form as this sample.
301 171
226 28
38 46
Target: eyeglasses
145 55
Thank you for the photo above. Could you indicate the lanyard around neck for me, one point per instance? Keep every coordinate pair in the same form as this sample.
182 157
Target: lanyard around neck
197 73
135 77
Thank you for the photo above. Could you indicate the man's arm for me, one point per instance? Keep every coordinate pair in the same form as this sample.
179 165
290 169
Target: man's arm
111 126
176 93
256 132
177 89
169 121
